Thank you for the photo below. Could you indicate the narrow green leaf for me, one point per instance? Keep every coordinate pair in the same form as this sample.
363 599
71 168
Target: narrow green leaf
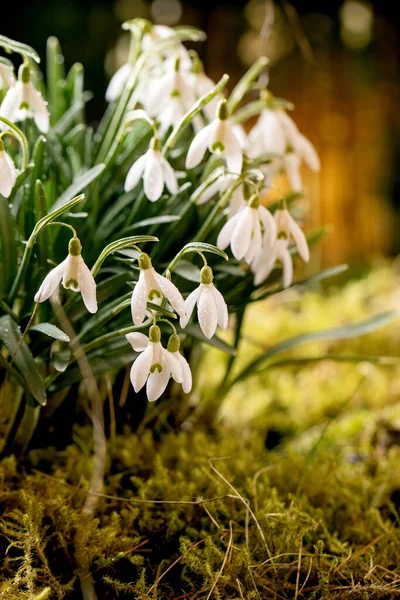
152 221
118 245
8 247
337 333
78 185
196 247
187 270
51 331
195 331
23 49
10 335
37 173
243 86
55 79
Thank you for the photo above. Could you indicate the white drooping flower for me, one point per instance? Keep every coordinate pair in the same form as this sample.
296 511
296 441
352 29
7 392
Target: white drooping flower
276 133
222 182
202 84
75 275
8 172
156 172
118 82
173 347
220 138
155 365
170 97
248 231
150 287
287 228
163 32
23 100
7 78
211 306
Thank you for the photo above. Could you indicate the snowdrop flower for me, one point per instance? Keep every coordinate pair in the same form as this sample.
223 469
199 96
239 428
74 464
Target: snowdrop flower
276 133
151 286
75 275
156 172
23 100
248 231
219 138
173 347
170 98
202 84
211 306
162 32
7 78
8 172
220 185
118 82
286 228
155 365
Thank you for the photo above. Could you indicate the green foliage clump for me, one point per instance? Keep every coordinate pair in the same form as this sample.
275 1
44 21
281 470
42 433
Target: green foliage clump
204 516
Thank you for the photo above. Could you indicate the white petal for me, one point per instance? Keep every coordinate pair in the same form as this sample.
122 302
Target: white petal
222 309
189 306
299 238
210 191
171 115
160 94
197 148
153 180
138 341
256 240
117 82
233 152
186 372
269 225
135 173
39 108
268 134
241 235
207 311
156 384
87 286
139 300
236 203
171 293
292 166
309 153
50 282
7 174
225 235
11 103
169 176
290 128
141 368
287 267
263 265
241 136
171 362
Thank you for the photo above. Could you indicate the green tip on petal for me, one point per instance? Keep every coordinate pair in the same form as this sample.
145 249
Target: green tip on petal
206 275
74 247
24 73
2 149
155 144
174 343
223 110
154 334
254 201
144 261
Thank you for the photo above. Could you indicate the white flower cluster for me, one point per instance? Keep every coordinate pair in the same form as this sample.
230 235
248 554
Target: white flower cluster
172 81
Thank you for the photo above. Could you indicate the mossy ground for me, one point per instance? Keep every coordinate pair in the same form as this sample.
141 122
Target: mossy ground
303 503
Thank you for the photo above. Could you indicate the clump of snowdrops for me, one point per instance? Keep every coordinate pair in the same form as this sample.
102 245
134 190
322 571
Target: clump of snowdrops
155 219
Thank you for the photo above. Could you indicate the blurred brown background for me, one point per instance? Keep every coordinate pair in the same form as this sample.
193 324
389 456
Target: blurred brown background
337 62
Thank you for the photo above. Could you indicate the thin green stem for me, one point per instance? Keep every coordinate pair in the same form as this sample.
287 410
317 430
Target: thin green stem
168 323
20 137
61 224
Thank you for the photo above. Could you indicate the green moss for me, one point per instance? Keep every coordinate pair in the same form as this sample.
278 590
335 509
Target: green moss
320 522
